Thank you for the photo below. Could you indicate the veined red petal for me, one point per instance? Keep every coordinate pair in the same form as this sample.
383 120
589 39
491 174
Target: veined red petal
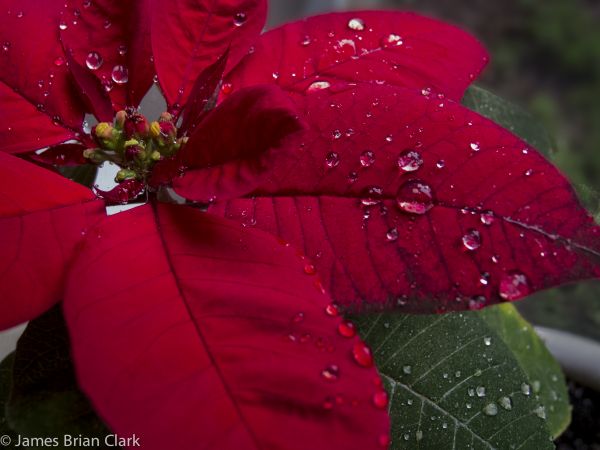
416 200
205 322
34 64
122 193
24 128
383 47
232 148
190 35
112 40
43 216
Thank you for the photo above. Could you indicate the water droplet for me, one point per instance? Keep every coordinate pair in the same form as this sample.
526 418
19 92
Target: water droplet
415 197
298 317
480 391
389 138
540 411
491 409
356 24
87 3
122 50
6 46
347 329
240 19
332 310
392 234
155 78
477 302
107 84
383 440
407 370
380 399
391 40
93 61
332 159
475 146
367 158
528 172
484 278
410 160
457 374
487 341
62 25
506 403
318 86
472 240
419 435
372 196
107 24
59 61
362 354
525 389
440 164
471 392
514 286
309 269
306 40
226 88
487 218
331 372
120 74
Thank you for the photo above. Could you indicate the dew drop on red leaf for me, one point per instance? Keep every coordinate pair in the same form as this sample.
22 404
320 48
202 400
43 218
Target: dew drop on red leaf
347 329
362 354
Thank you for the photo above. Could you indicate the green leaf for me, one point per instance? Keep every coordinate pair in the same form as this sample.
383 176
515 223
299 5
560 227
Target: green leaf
454 382
511 117
45 399
85 175
5 384
544 373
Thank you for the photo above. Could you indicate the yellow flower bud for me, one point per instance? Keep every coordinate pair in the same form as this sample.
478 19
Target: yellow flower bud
104 130
155 129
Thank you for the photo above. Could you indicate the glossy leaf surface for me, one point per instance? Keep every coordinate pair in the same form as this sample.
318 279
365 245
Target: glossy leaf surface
454 382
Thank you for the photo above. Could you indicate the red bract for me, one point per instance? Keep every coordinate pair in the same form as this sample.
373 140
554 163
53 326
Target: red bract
196 331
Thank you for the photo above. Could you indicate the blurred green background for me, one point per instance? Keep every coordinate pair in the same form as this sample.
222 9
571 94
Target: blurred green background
545 58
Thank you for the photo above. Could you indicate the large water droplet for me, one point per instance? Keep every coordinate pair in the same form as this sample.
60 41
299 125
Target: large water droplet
93 61
514 286
487 218
392 234
480 391
525 389
380 399
122 49
415 197
391 40
6 46
356 24
318 86
347 329
472 240
120 74
491 409
332 310
407 370
540 411
331 372
506 403
240 19
362 354
475 146
372 196
59 61
62 25
410 160
332 159
367 158
487 341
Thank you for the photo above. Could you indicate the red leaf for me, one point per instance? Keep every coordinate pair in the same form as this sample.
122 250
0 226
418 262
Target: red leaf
122 193
401 49
42 219
190 35
112 40
209 335
34 64
92 92
23 128
202 94
230 151
62 155
498 220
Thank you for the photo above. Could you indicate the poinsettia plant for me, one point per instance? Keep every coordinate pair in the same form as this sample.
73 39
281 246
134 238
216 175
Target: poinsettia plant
321 169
